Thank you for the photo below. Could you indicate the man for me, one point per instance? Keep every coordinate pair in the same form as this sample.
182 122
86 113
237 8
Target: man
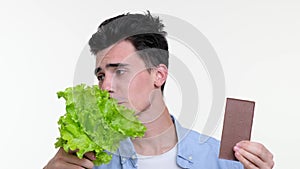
132 65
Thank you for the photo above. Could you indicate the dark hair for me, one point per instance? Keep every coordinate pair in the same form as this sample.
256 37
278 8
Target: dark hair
144 31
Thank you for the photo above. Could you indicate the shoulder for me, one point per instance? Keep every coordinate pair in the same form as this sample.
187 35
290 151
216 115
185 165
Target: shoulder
204 151
201 141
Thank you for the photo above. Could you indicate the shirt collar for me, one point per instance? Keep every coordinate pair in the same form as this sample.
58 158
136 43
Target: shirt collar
184 151
126 150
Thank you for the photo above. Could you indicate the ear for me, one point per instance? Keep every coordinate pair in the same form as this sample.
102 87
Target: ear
161 74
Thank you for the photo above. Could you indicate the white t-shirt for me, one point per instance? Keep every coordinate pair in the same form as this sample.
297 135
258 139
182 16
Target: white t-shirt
162 161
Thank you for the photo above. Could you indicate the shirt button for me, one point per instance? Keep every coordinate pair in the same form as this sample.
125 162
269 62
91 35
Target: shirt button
133 157
190 157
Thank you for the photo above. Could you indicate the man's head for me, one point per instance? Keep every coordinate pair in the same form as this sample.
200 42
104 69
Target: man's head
144 32
132 58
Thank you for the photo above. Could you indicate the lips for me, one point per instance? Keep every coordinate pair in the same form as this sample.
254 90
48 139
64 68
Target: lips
121 102
119 99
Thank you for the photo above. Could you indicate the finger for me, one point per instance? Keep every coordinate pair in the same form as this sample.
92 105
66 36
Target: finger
67 166
249 157
72 151
73 159
90 155
247 164
59 163
256 149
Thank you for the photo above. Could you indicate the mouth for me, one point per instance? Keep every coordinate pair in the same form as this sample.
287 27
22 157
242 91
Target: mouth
119 99
121 103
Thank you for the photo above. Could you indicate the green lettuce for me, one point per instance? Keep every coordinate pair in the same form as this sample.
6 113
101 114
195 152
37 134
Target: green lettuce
95 122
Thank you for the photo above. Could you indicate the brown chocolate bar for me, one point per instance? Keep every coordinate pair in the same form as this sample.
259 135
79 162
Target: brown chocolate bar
237 125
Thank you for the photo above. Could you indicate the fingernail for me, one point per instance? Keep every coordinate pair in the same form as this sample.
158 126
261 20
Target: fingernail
235 148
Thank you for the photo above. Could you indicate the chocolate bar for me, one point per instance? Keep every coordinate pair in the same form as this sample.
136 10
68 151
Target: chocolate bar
237 125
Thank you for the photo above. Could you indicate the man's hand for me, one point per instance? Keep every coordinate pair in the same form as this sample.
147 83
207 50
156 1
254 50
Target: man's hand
66 160
253 155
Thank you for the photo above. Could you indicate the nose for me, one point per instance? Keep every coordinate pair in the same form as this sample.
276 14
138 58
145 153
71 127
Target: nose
106 84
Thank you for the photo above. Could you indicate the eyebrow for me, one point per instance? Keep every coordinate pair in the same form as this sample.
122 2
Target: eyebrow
98 69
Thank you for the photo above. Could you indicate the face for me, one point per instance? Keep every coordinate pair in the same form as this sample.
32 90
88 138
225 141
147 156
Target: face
123 74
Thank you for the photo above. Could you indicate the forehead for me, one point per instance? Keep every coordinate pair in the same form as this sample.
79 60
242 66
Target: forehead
121 52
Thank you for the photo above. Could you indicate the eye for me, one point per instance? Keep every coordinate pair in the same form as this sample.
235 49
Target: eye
120 71
100 77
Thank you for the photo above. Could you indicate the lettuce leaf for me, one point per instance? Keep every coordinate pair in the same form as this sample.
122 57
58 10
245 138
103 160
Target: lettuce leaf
95 122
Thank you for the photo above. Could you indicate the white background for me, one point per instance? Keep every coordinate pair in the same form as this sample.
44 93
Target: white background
40 41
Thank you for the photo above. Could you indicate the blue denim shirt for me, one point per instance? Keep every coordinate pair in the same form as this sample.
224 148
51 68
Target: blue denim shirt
194 151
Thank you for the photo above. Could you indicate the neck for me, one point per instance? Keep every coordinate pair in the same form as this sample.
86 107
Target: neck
160 135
